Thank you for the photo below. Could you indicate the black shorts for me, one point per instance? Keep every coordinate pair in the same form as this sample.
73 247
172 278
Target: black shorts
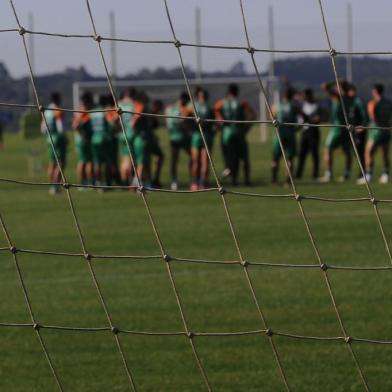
156 149
181 144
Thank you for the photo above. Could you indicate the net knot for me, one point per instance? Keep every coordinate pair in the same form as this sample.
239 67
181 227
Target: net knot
190 334
141 189
115 330
332 52
244 263
348 339
373 201
269 332
350 128
66 185
13 249
250 50
22 31
119 111
87 256
275 123
198 120
177 44
36 326
298 197
221 190
97 38
167 258
324 266
41 109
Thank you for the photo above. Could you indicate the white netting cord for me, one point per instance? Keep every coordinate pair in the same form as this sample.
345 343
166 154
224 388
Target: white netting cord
219 189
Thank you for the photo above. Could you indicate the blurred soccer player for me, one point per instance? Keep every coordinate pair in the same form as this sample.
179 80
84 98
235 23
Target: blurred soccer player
380 111
156 150
200 164
310 138
338 135
231 109
126 103
142 140
286 112
1 134
243 147
83 132
361 120
179 134
100 140
112 172
54 121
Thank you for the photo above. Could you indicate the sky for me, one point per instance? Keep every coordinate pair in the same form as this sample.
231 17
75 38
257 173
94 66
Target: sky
297 26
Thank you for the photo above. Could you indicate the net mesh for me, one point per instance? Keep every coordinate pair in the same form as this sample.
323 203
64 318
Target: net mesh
218 189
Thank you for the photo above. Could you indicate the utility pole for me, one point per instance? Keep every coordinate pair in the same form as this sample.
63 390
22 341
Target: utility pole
271 77
349 58
113 53
271 39
31 50
199 63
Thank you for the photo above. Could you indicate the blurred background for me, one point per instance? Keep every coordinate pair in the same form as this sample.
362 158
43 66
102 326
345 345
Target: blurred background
58 63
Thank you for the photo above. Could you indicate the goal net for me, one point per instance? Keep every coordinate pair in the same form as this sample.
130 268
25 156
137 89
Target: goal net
168 91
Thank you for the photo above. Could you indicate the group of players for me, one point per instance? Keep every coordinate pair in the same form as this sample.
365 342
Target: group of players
352 123
121 146
102 133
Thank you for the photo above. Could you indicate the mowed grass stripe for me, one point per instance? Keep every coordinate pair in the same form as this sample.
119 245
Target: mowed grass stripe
216 298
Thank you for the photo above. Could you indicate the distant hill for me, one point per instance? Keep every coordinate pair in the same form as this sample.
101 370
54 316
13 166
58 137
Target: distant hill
312 71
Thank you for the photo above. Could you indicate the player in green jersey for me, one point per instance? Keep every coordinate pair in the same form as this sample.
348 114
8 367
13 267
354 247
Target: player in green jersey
1 134
54 126
361 120
285 112
178 133
243 147
82 126
126 103
338 135
156 150
112 172
380 112
200 162
142 139
230 109
99 140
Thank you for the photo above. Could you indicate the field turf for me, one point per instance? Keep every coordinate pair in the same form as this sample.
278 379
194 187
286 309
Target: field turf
215 298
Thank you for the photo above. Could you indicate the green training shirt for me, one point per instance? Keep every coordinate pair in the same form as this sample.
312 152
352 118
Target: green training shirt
99 126
175 125
126 119
286 113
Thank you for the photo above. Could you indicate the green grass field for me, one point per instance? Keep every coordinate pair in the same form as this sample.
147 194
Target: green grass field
216 298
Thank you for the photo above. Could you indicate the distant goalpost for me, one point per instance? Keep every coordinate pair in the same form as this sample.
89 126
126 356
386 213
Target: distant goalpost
168 90
265 331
